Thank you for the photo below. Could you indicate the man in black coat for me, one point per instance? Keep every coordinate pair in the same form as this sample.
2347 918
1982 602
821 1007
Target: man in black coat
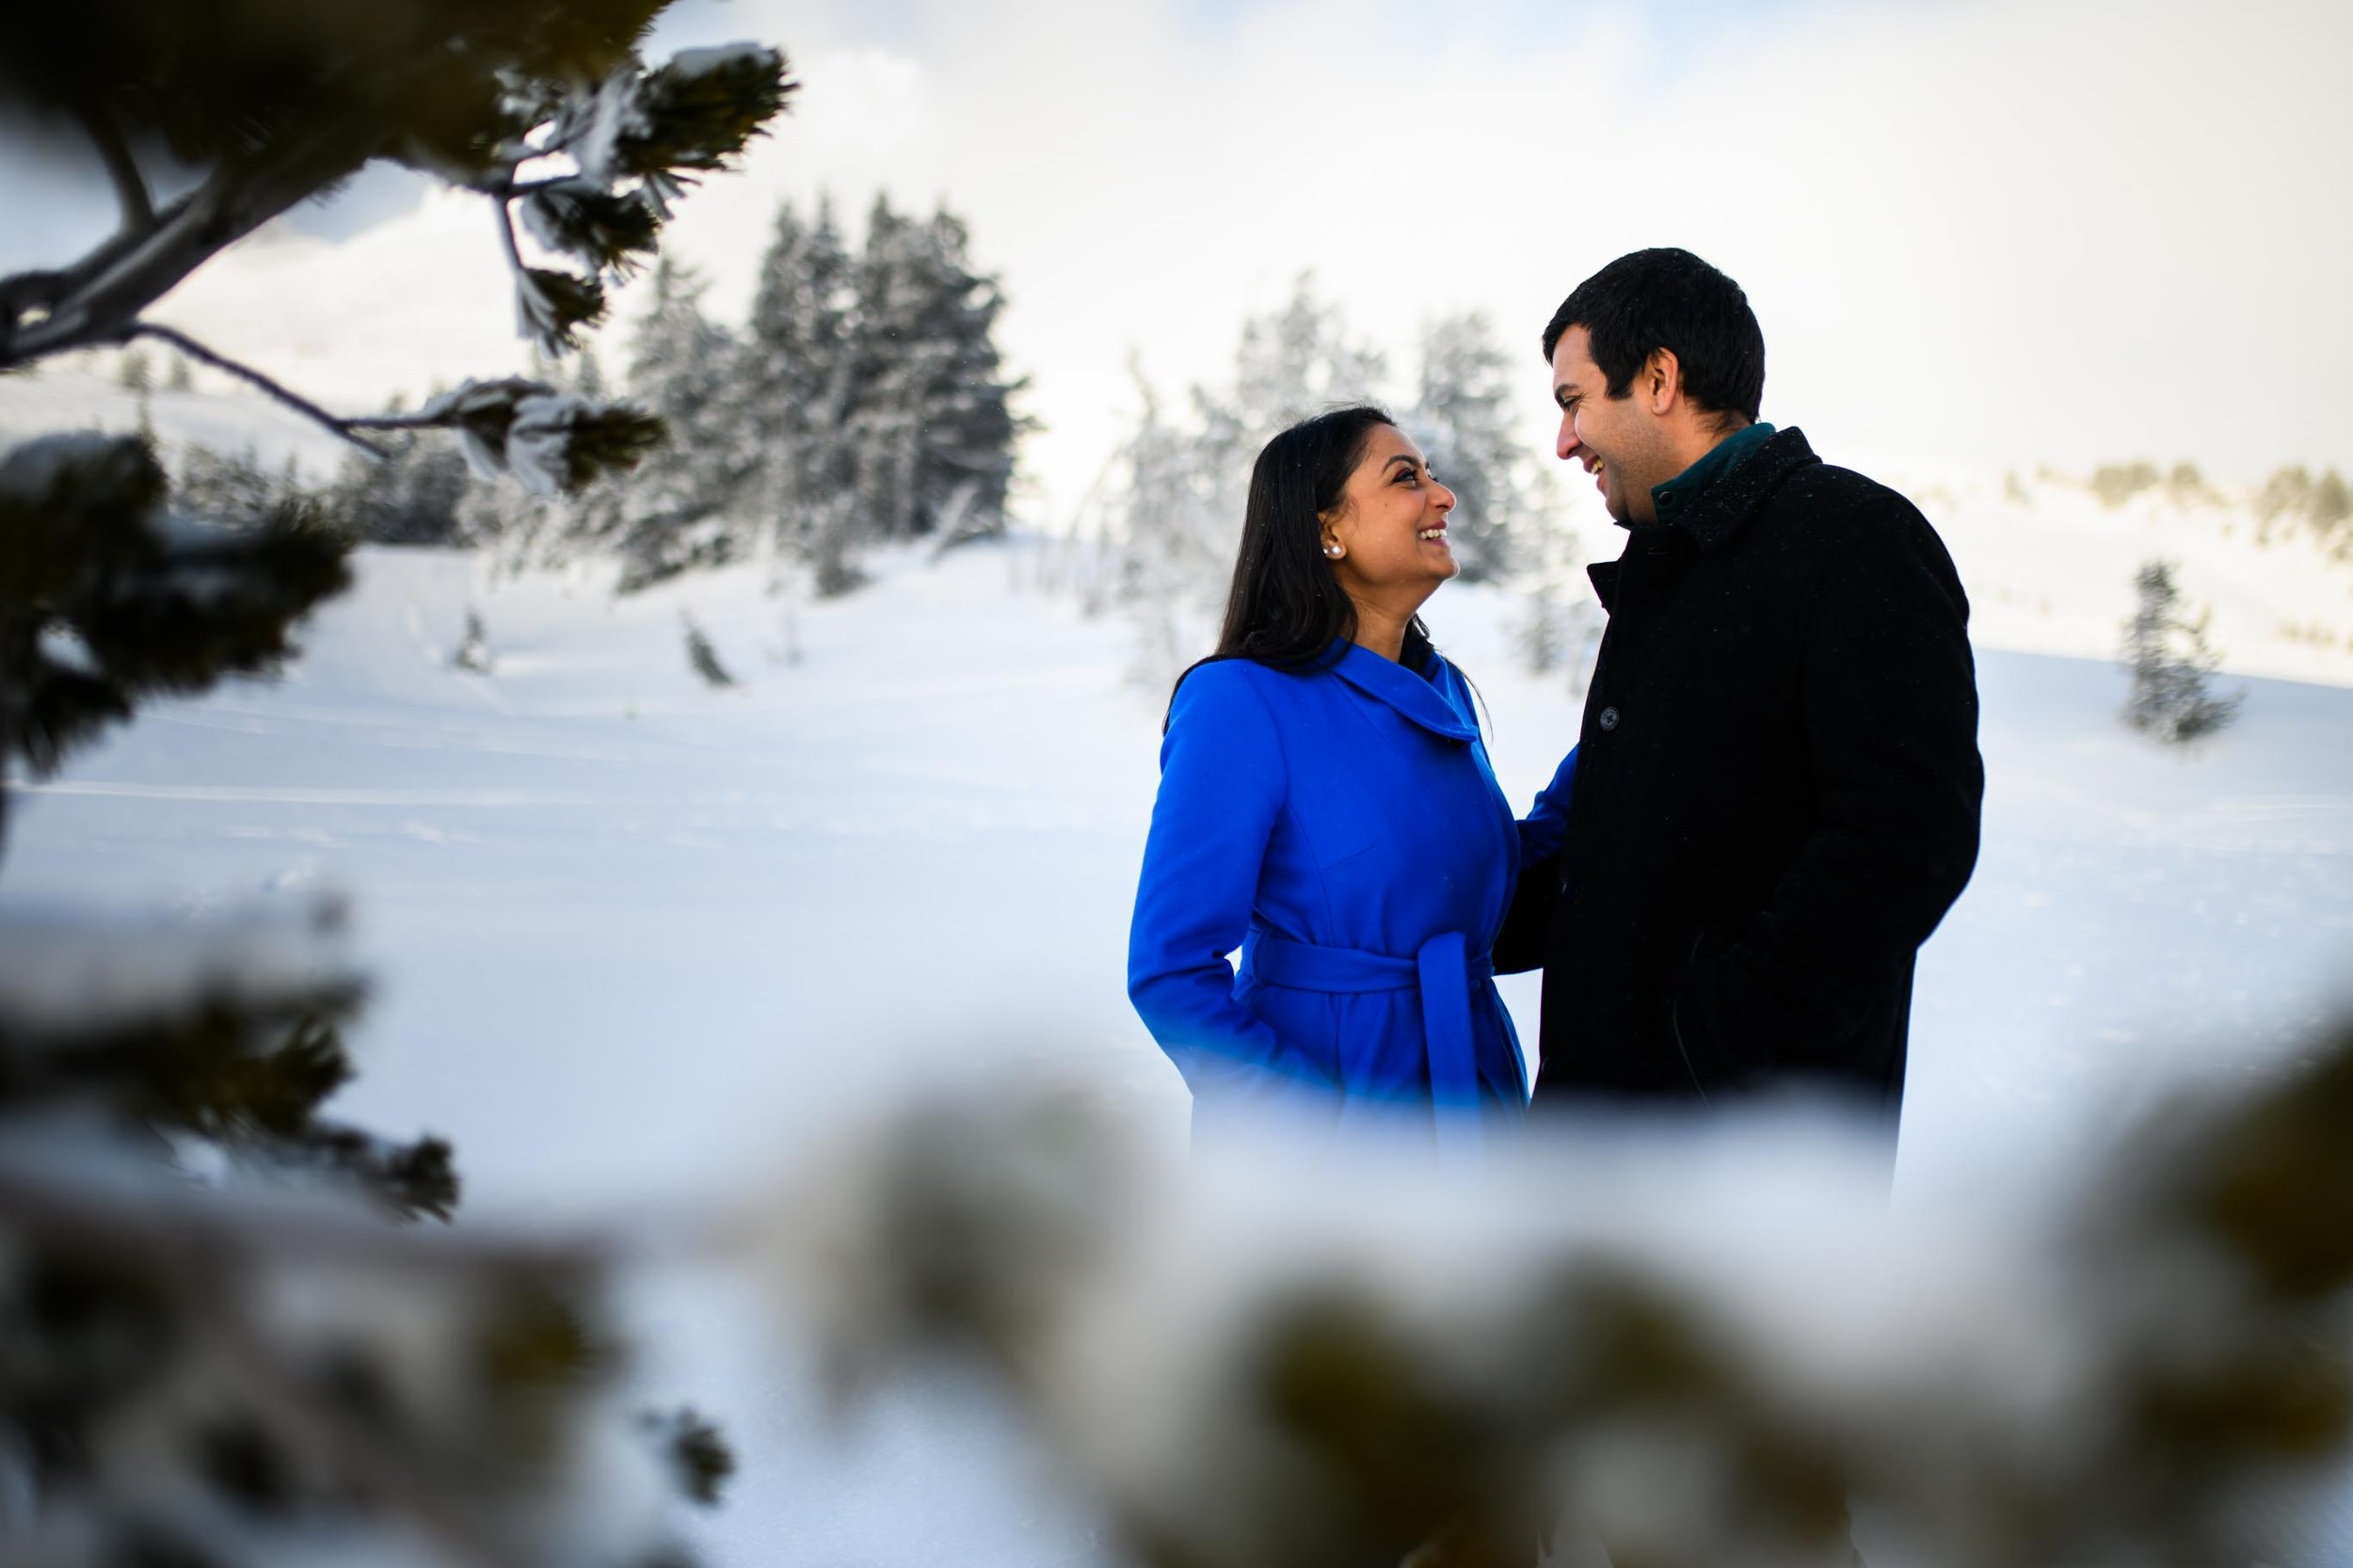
1777 787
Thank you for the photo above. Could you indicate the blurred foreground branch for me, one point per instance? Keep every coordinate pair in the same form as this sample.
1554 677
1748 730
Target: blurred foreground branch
219 1340
1333 1363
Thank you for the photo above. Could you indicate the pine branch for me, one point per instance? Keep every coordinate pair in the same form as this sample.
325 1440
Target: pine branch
138 1221
47 290
98 301
352 1446
207 1255
508 188
138 208
346 429
23 291
506 236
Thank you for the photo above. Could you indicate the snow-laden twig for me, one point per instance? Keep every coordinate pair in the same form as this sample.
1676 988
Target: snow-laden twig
345 428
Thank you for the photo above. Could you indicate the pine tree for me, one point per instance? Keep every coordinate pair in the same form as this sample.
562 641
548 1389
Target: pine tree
1462 422
108 597
1298 361
235 490
931 422
2172 666
676 513
871 402
965 429
1175 503
412 496
472 653
1172 547
797 389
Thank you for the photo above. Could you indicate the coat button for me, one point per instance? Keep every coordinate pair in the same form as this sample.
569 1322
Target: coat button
1610 718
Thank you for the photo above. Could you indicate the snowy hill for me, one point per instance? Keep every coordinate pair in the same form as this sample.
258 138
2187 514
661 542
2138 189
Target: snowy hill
2049 570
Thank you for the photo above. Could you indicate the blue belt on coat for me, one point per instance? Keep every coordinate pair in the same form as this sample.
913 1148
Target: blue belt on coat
1443 971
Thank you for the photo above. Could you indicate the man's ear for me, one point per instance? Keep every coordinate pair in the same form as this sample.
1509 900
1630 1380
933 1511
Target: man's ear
1661 380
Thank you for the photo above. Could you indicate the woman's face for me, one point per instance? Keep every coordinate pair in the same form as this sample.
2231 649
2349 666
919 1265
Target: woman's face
1387 538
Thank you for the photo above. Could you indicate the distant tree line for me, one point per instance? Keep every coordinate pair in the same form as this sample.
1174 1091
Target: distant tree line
2323 503
865 402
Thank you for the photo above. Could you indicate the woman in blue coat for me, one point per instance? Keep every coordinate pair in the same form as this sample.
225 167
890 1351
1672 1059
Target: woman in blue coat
1326 807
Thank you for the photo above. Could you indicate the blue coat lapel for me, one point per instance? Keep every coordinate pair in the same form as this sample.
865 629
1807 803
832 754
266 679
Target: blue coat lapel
1388 681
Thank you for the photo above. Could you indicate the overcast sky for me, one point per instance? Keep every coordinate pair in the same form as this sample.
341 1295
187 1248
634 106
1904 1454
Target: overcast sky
2002 231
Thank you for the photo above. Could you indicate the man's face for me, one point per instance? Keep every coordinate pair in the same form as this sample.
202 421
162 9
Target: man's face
1616 440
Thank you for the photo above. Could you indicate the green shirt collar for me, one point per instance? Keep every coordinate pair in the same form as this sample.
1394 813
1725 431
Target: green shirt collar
1675 496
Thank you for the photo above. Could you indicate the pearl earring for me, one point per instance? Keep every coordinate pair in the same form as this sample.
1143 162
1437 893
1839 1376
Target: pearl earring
1333 551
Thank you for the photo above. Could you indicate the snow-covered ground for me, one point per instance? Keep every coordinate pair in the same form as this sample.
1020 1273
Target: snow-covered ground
636 939
631 931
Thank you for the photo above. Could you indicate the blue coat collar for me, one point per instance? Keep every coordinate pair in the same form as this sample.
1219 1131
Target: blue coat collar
1425 703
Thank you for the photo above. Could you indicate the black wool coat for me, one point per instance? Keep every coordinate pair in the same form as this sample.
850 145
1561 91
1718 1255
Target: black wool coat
1776 798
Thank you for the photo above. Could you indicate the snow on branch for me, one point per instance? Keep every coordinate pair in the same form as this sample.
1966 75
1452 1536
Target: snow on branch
67 976
635 139
553 443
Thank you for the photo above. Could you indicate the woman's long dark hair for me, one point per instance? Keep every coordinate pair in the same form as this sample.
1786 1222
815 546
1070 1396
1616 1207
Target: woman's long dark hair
1285 608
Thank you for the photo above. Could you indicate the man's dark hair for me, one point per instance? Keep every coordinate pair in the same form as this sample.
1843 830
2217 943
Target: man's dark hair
1671 299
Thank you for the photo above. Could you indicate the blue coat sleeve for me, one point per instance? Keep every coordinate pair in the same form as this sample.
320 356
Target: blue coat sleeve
1547 825
1526 934
1223 789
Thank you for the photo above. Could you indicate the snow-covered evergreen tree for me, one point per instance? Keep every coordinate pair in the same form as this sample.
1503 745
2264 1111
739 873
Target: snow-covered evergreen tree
931 419
864 400
965 429
234 490
412 496
1295 362
869 402
1175 497
1171 550
2172 667
1461 418
677 512
472 653
797 384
